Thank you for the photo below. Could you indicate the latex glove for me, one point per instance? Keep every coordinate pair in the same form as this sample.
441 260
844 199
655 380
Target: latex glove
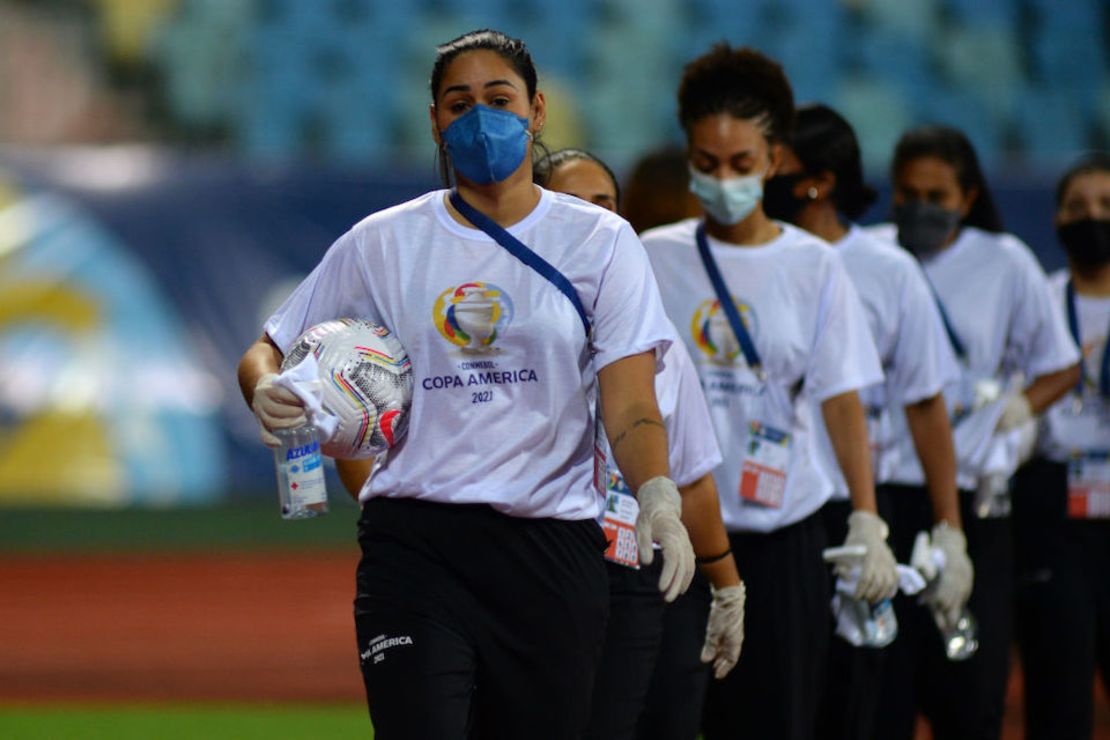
660 521
878 577
1026 442
1016 412
276 408
724 634
953 587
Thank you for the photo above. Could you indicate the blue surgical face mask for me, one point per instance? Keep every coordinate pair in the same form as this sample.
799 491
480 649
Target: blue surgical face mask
486 144
727 201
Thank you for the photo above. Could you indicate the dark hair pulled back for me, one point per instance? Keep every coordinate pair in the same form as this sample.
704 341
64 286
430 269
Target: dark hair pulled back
511 50
824 142
546 166
741 82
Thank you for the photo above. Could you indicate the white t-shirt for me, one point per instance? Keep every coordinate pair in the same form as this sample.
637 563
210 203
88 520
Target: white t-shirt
997 299
1069 426
806 321
505 385
691 442
909 336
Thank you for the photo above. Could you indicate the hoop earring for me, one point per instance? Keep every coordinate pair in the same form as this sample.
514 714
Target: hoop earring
812 193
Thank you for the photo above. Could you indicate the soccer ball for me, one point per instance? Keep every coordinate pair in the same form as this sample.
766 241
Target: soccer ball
367 384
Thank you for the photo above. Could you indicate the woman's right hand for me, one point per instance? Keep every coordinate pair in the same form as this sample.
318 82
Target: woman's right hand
275 408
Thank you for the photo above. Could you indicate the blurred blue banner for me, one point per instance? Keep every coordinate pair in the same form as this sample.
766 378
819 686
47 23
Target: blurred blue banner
132 281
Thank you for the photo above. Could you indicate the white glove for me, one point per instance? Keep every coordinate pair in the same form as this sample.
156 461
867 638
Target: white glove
724 633
1016 412
1025 442
660 521
276 408
878 577
956 577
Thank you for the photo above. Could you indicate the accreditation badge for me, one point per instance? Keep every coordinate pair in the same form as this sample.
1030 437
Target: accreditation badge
1089 485
765 462
619 523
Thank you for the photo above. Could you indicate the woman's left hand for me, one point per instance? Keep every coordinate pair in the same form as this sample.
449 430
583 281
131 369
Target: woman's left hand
660 521
724 634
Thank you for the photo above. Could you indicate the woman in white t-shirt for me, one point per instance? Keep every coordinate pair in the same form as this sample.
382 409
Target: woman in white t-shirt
482 593
634 632
1015 359
800 346
1062 497
820 187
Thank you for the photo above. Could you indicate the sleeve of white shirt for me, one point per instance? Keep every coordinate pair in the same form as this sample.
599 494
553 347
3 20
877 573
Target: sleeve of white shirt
335 289
844 357
628 316
690 436
1039 340
923 358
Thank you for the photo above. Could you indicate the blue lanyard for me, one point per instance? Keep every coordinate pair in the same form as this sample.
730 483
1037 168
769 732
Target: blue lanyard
522 253
953 338
747 346
1104 369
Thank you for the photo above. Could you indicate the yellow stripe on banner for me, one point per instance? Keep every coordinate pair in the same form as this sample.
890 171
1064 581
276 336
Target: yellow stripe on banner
31 302
60 458
129 28
16 221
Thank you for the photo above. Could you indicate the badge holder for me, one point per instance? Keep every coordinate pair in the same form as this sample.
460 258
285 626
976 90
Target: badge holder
619 524
765 464
1089 485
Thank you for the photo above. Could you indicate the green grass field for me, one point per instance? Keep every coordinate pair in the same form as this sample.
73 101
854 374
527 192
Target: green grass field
205 722
236 526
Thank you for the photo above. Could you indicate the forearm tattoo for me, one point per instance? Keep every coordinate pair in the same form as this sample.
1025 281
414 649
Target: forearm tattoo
638 422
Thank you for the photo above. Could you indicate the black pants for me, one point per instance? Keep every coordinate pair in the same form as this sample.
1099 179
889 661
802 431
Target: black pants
470 621
673 708
633 636
849 702
1063 604
773 692
960 699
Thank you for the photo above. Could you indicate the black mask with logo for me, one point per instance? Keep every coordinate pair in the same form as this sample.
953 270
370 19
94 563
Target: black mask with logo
1087 242
779 201
923 226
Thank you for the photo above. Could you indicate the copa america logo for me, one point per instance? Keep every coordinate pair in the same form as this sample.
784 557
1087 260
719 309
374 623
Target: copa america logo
472 316
713 334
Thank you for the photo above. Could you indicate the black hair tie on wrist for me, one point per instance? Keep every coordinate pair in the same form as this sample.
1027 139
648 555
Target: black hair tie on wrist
713 558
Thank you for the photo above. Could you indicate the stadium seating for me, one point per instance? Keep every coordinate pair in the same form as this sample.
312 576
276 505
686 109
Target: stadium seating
346 79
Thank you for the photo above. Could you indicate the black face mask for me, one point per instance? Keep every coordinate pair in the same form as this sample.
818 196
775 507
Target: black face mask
1087 242
779 201
923 226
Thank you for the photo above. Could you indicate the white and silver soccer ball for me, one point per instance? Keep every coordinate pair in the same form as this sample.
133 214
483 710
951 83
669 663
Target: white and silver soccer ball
366 381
